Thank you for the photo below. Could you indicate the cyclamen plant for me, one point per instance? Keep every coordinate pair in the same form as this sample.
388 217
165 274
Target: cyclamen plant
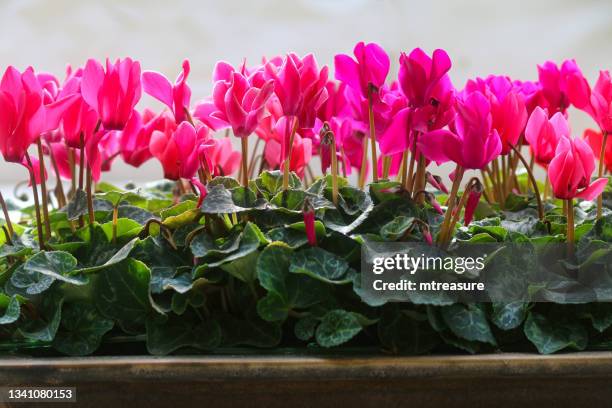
203 260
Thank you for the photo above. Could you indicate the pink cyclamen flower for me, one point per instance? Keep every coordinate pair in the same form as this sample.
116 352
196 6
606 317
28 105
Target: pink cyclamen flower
177 97
113 92
309 222
136 136
543 134
430 95
475 192
235 102
177 149
219 156
508 109
596 102
595 139
277 147
369 68
571 169
474 144
23 113
555 84
300 87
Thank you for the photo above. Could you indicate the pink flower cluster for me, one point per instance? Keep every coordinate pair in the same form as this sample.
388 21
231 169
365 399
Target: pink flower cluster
92 113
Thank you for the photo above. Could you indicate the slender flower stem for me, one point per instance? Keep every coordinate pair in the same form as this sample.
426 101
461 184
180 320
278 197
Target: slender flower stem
71 161
90 207
533 181
9 224
252 160
334 168
371 90
570 226
82 161
287 163
457 211
115 217
244 143
419 180
364 162
404 168
43 188
546 186
41 237
413 156
386 167
450 205
59 188
600 171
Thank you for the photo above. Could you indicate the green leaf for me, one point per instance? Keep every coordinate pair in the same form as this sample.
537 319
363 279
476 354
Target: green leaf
116 258
243 268
11 312
508 316
601 315
551 336
337 327
178 332
126 229
77 206
304 328
320 264
56 264
81 330
45 326
396 228
269 183
30 282
121 293
15 250
468 322
286 291
163 278
220 200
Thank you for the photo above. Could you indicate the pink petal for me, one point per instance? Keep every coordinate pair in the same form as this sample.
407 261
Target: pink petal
158 86
593 190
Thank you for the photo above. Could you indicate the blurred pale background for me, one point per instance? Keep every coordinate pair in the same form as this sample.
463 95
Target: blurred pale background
481 36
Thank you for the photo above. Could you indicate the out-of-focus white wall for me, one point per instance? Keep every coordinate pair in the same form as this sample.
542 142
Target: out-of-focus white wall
481 36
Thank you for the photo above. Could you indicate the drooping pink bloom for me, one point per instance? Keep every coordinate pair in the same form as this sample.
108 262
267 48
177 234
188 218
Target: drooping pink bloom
571 169
136 136
300 87
555 83
474 144
23 113
595 139
596 102
177 97
475 192
219 156
543 134
201 189
343 130
369 68
235 102
112 93
508 109
177 149
309 222
436 182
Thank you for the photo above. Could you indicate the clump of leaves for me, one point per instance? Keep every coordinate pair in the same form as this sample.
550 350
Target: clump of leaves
239 271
